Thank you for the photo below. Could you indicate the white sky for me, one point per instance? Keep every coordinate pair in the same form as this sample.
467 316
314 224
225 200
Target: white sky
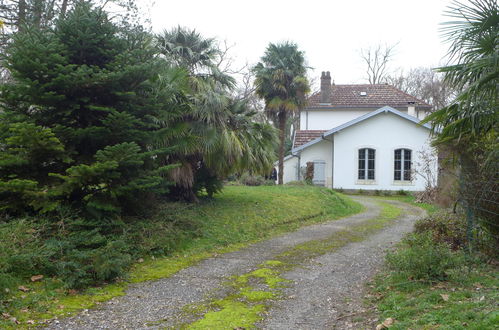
330 32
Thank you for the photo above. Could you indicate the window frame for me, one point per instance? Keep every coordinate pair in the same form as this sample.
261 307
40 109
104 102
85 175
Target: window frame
403 169
366 168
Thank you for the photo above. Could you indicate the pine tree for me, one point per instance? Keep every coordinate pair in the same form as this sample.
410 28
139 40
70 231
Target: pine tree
86 88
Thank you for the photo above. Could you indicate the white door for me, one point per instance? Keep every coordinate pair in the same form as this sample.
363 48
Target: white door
319 173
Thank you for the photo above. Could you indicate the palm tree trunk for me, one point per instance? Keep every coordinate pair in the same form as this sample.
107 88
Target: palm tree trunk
282 137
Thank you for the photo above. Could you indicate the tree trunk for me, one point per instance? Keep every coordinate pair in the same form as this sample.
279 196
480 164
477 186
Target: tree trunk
37 13
282 137
64 8
21 16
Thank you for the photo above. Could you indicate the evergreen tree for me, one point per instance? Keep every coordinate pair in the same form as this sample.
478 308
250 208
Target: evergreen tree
84 92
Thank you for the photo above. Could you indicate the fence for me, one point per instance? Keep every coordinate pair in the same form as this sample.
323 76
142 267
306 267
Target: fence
479 198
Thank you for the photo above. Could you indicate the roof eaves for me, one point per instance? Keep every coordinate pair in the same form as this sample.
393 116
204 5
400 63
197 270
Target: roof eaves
358 120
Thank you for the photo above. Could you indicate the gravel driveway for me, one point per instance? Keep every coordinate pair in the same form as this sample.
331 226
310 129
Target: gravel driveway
321 295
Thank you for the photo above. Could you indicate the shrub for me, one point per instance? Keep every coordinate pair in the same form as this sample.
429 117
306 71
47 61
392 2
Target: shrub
377 192
361 192
79 253
424 259
252 180
402 192
445 227
387 193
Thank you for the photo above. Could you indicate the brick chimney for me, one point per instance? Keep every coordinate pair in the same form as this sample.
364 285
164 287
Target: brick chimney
411 109
326 87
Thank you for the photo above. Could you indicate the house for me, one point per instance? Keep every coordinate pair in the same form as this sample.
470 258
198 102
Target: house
365 137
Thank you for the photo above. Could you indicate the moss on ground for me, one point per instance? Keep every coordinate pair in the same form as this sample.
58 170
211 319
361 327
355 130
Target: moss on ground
252 294
232 315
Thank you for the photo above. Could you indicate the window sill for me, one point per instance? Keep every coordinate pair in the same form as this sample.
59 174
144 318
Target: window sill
366 182
403 183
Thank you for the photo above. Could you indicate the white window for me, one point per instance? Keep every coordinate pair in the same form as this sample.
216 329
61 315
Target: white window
402 165
366 164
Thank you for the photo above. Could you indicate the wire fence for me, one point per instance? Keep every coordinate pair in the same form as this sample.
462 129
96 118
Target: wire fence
479 198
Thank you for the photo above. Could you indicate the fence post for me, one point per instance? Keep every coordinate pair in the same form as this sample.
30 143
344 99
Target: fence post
470 225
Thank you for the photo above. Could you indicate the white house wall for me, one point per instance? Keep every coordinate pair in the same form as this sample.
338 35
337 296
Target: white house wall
290 169
318 151
326 119
384 133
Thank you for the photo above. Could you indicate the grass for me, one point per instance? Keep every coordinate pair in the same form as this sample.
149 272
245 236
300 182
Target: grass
431 282
410 199
251 294
468 301
178 236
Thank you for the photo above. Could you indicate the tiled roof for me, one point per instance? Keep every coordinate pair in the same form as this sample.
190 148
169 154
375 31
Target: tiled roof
302 137
350 96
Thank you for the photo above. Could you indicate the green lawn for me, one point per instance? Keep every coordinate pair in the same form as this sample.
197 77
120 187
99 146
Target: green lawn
177 236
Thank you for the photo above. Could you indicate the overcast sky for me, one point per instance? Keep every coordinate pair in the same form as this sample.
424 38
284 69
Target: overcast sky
331 33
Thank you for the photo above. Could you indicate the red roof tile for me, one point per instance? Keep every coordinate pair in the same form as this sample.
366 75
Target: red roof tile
302 137
349 96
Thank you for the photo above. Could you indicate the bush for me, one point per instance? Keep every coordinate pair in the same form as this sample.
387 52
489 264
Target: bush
387 193
402 192
424 259
450 228
77 252
445 227
252 180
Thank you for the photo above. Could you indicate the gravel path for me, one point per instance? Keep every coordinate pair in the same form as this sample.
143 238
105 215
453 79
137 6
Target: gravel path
327 289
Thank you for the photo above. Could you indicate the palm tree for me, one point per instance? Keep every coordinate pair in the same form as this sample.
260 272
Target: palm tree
473 35
281 82
470 123
217 135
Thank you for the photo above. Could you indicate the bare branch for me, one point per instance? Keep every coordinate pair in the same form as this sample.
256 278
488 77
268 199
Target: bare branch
377 59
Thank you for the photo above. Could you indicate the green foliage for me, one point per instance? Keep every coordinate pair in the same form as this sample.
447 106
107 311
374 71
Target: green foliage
28 152
445 227
280 79
469 125
424 259
473 35
469 300
253 180
223 135
430 284
80 114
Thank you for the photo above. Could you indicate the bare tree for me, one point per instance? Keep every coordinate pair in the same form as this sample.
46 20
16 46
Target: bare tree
377 59
425 84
